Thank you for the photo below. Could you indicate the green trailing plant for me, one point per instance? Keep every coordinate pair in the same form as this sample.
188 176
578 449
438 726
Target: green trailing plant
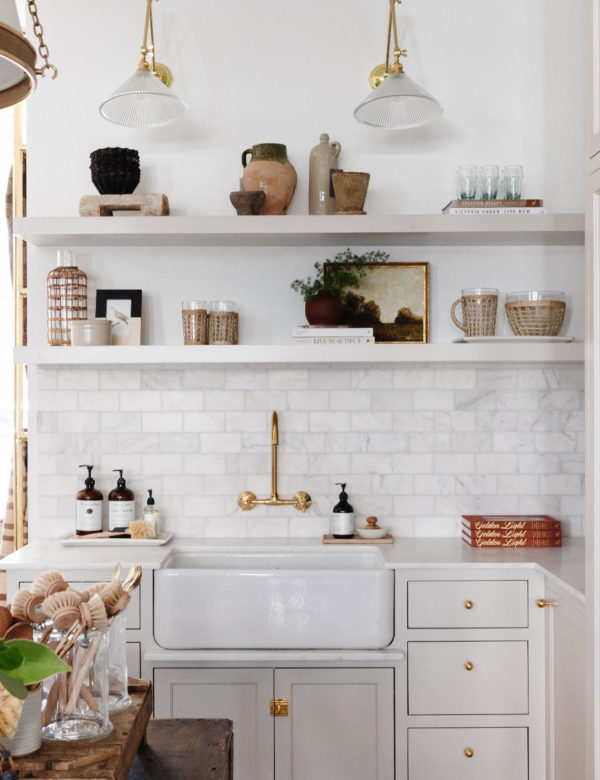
23 662
335 277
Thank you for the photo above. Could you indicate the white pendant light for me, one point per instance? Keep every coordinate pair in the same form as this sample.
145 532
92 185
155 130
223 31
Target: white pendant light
396 102
18 57
145 100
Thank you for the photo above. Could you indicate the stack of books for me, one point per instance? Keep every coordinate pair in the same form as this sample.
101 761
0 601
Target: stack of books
511 531
530 206
334 334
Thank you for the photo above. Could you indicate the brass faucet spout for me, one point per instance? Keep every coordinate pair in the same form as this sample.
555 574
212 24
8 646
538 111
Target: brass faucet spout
301 500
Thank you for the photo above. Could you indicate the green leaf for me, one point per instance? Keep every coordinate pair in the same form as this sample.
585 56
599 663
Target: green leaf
39 662
10 657
15 687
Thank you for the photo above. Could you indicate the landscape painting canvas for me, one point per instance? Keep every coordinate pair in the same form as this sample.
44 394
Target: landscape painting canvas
393 299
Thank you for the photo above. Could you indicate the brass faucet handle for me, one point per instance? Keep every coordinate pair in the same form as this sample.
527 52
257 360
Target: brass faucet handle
246 500
302 500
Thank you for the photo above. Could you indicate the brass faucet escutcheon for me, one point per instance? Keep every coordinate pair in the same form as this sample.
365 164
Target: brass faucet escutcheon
301 500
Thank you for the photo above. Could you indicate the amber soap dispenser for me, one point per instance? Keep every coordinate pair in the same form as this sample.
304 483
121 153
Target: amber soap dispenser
121 505
89 507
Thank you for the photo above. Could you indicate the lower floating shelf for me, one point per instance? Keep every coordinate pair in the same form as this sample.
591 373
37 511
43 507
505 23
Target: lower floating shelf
295 354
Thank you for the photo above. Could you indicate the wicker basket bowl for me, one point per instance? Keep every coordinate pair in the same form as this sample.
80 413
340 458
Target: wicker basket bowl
535 313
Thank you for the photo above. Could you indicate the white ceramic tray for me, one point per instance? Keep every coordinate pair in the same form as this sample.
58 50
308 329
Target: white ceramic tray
513 339
68 540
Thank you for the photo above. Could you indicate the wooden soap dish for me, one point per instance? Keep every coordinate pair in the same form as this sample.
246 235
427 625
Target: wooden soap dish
329 539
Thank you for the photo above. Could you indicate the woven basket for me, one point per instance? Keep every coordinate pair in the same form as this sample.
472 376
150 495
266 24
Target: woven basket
479 314
535 318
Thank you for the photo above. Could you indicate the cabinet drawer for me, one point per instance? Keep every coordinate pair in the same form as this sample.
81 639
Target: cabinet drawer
497 754
468 604
467 678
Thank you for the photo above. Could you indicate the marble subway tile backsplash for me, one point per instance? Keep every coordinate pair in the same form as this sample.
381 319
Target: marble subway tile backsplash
418 446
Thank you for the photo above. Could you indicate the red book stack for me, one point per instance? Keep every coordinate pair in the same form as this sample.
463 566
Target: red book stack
511 531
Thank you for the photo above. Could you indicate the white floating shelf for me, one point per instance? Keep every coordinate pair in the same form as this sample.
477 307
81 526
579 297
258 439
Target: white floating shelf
380 230
295 354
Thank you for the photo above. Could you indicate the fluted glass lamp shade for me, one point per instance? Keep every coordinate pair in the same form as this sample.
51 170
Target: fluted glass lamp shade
143 101
398 103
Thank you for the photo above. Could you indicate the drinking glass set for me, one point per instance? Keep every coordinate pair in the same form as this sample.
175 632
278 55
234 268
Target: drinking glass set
486 181
215 322
529 313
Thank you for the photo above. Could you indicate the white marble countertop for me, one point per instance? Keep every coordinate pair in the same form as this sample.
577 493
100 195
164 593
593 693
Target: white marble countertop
564 565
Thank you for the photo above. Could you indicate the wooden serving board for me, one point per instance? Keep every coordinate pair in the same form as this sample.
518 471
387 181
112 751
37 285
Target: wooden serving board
110 758
356 539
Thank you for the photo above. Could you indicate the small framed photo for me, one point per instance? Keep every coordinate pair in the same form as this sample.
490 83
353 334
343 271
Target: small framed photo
393 299
124 309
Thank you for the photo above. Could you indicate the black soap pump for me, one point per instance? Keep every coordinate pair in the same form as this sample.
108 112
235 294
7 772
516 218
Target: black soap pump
121 505
89 507
342 518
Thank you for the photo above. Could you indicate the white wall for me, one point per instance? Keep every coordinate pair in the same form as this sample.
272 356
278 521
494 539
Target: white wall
511 77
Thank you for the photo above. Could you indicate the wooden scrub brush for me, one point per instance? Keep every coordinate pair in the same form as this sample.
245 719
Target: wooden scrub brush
114 598
47 583
19 630
25 607
62 608
6 619
89 592
93 614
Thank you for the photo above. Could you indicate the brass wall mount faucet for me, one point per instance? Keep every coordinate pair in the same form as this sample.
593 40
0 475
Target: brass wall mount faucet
301 500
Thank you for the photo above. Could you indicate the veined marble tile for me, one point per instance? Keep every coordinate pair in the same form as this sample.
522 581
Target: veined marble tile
161 379
371 379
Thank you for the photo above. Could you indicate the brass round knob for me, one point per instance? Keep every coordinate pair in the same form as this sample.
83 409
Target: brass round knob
469 666
541 603
469 604
469 752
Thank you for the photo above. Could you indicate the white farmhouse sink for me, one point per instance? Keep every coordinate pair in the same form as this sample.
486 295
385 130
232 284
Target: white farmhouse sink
321 599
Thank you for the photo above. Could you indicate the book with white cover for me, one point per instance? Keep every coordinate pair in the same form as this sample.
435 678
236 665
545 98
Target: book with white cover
335 340
312 331
532 210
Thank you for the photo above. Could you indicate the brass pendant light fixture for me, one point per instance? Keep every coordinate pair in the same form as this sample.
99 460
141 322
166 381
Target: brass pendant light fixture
396 102
18 56
145 100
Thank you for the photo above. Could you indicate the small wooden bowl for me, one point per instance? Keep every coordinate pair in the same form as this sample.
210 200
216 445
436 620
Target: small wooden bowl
247 202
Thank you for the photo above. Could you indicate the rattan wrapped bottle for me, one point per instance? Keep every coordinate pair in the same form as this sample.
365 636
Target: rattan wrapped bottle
67 297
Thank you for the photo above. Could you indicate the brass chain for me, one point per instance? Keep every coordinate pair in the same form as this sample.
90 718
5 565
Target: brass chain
38 31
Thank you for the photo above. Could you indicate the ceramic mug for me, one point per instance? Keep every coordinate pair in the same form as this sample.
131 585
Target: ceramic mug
479 307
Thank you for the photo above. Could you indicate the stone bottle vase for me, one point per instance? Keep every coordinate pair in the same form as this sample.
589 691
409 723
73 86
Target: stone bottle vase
323 309
322 162
270 171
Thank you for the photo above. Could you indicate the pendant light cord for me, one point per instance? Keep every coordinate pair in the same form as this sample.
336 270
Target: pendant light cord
38 31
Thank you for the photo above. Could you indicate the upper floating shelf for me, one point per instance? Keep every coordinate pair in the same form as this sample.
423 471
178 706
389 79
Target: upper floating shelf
296 354
380 230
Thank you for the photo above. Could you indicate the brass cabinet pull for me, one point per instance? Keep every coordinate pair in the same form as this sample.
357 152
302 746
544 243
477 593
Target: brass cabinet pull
541 603
469 604
278 708
469 666
469 752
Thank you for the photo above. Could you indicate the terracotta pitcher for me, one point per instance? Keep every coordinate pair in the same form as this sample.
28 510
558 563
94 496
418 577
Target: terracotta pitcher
270 171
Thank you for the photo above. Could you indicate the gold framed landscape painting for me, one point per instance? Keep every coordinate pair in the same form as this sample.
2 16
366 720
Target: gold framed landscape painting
393 299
